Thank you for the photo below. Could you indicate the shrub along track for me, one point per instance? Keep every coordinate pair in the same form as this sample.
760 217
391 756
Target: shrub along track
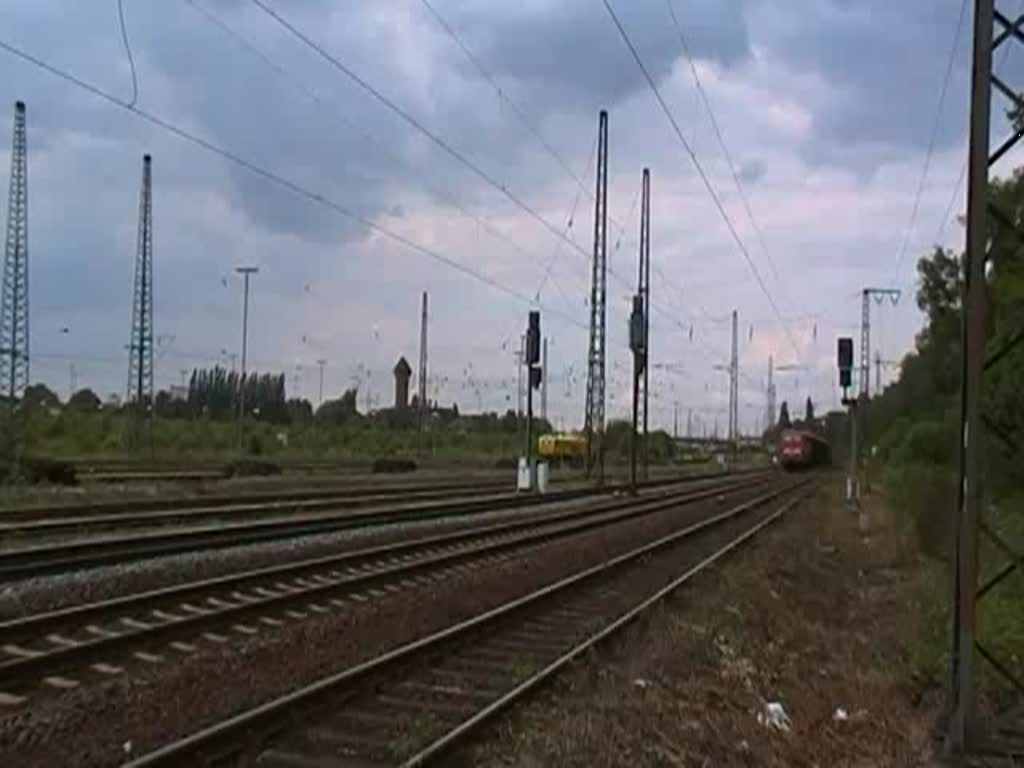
62 648
409 705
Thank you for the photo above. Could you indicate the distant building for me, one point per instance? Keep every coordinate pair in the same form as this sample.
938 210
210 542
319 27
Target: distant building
113 401
178 392
402 375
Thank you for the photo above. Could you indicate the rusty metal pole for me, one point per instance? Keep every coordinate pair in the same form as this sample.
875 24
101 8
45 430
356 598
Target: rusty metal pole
962 725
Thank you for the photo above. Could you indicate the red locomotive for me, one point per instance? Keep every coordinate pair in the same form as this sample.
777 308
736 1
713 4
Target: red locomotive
802 449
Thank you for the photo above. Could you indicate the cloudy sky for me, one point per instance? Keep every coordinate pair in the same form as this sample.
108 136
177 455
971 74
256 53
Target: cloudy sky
827 108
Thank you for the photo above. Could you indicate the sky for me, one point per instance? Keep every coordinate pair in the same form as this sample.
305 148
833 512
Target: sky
482 194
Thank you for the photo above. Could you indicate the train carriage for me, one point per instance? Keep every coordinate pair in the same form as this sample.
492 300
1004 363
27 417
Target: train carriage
802 449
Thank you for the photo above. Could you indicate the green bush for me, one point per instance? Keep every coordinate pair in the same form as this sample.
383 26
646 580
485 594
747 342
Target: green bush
925 496
928 442
36 470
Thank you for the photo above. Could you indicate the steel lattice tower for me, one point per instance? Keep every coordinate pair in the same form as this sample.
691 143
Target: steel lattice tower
644 283
14 339
140 355
594 420
981 567
865 332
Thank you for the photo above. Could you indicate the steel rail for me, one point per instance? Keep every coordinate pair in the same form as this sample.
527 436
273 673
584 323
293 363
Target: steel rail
24 562
475 545
255 497
460 732
191 513
246 732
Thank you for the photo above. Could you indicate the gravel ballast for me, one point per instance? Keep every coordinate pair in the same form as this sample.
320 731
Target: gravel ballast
47 593
813 617
91 726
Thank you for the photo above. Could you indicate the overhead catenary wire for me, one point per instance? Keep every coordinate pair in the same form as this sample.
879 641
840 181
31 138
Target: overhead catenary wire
720 136
702 174
367 136
278 179
516 109
958 184
415 123
908 232
437 140
128 52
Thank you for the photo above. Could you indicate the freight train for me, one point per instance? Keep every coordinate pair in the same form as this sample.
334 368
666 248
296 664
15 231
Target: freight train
563 449
802 449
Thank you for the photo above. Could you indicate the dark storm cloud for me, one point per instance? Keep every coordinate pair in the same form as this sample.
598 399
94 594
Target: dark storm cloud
886 61
569 55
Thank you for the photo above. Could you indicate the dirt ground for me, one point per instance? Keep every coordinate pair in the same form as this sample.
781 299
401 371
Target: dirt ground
811 617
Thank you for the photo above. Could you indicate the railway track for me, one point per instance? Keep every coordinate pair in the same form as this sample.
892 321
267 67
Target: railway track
67 555
22 523
419 701
59 649
125 508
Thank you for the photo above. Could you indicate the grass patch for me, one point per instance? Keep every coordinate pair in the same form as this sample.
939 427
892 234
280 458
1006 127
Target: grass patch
924 501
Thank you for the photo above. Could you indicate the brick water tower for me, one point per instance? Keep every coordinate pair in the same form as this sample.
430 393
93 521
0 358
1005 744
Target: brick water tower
402 374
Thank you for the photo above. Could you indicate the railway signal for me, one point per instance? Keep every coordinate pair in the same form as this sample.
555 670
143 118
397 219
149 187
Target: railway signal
638 345
534 377
844 361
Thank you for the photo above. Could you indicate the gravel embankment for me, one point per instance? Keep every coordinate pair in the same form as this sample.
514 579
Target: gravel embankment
58 590
92 726
813 617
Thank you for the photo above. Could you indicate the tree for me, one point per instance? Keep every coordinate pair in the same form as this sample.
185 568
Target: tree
40 396
300 411
809 412
84 400
339 411
784 422
214 393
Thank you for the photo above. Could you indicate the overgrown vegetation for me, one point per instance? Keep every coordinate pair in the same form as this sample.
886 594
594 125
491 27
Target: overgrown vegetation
198 424
912 435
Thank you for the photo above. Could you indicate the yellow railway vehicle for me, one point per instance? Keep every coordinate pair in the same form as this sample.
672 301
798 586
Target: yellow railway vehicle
562 449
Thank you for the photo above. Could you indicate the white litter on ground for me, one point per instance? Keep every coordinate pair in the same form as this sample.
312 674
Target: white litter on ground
774 716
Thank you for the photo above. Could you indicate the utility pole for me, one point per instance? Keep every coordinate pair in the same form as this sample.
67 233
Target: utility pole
675 419
246 273
320 398
72 380
770 414
594 420
423 408
689 422
645 279
140 356
14 315
964 733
